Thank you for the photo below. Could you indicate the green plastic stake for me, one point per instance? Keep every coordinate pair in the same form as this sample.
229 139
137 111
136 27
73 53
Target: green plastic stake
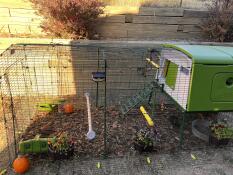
193 157
98 165
148 160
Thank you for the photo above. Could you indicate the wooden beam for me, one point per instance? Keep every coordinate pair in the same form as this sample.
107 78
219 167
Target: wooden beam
148 11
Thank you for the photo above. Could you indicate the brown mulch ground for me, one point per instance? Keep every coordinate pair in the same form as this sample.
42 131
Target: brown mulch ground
120 131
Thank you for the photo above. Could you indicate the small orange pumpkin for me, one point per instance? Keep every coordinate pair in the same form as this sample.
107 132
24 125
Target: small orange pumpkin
68 108
21 164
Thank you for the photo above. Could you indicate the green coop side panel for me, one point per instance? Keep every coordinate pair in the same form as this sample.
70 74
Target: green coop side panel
171 75
222 87
211 88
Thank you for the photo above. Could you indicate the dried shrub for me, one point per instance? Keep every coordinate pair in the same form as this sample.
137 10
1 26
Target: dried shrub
69 18
219 24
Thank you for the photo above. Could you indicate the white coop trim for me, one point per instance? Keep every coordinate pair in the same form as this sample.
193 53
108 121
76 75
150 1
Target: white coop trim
181 90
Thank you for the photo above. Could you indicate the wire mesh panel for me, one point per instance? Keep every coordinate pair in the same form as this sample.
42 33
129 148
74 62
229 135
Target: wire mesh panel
34 76
8 122
39 80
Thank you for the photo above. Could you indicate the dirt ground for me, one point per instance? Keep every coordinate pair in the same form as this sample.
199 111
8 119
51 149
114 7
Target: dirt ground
120 130
120 134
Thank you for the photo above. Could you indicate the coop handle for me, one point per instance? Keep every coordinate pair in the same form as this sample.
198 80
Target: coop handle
153 63
43 106
147 117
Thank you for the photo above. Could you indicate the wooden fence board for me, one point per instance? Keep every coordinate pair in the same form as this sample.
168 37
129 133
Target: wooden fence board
34 29
4 12
16 29
112 30
129 18
23 13
152 27
191 28
148 20
145 11
193 21
163 35
169 11
113 19
19 20
166 20
195 13
156 20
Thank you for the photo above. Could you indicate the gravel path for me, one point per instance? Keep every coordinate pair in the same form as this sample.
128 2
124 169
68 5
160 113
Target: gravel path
208 162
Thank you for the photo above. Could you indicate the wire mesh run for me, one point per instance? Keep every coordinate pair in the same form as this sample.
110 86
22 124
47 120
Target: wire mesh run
34 76
38 80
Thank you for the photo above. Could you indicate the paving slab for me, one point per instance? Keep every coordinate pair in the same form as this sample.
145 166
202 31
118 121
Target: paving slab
210 161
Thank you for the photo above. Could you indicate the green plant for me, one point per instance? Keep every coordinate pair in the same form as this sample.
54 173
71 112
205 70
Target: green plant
61 145
221 130
69 18
219 24
143 141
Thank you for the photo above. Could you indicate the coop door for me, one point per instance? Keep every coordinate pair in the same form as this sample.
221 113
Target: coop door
222 87
170 73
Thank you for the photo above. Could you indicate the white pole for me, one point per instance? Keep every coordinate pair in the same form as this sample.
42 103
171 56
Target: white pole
91 134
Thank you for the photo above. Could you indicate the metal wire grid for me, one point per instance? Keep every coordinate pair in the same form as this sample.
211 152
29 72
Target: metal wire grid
31 74
34 73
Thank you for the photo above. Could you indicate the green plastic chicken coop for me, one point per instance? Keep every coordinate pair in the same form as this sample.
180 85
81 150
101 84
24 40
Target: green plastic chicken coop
198 77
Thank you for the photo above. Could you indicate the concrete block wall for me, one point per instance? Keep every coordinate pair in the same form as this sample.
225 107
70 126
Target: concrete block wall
147 24
18 22
154 24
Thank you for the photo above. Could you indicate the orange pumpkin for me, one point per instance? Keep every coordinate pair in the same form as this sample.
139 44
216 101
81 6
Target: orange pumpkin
68 108
21 164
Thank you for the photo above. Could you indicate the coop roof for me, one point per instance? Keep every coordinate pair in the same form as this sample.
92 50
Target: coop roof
202 54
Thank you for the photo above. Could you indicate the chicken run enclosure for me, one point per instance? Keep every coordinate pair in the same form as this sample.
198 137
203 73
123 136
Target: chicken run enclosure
38 79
